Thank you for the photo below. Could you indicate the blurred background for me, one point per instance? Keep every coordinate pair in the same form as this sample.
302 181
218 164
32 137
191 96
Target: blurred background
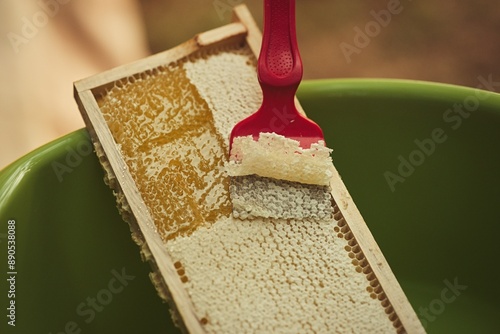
47 44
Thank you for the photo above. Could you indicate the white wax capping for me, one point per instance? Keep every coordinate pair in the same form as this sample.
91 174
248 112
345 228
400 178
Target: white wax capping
282 158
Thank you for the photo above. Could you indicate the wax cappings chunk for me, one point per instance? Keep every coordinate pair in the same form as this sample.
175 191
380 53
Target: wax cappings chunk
281 158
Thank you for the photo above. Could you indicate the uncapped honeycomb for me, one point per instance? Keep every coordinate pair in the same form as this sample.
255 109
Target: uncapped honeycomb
172 127
254 196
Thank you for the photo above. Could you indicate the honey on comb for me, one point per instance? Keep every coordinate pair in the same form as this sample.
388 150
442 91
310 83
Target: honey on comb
164 129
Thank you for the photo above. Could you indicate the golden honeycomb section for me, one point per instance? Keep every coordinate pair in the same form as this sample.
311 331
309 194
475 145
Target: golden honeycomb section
168 140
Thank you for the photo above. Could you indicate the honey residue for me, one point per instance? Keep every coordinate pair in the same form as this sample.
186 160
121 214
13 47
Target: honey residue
166 135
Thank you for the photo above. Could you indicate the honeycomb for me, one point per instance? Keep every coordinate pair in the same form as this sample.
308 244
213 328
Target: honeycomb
273 177
168 139
172 125
281 276
277 157
255 196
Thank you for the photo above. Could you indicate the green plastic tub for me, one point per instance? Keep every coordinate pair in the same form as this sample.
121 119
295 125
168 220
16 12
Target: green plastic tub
421 160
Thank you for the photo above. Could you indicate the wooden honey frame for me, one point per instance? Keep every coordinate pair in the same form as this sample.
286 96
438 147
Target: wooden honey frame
167 281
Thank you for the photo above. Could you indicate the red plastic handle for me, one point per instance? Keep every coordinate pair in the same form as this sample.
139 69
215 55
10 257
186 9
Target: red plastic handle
280 73
279 59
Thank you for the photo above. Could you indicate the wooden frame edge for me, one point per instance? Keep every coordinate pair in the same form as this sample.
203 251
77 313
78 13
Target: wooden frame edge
84 95
375 257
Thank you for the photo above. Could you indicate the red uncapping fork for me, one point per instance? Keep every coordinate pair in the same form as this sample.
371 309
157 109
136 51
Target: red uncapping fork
280 73
277 153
